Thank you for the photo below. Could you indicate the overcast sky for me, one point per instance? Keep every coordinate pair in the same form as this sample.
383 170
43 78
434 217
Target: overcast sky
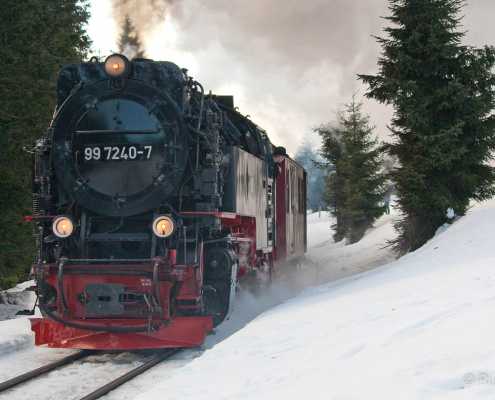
290 64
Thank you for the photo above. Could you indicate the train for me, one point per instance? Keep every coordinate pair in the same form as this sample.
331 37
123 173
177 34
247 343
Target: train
152 202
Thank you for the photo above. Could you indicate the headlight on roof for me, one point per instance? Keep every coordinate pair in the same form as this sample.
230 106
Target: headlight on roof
117 66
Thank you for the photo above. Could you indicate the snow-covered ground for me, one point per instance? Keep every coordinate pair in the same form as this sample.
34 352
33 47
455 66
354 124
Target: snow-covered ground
417 328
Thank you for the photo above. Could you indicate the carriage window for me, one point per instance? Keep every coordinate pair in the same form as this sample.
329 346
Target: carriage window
301 195
294 190
287 191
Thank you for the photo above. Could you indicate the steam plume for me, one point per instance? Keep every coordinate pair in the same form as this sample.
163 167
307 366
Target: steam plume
144 14
291 64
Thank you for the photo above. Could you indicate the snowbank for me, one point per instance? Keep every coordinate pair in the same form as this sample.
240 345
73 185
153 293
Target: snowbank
15 334
419 328
16 299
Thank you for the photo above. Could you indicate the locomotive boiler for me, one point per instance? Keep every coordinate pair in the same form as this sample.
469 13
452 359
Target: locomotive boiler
151 200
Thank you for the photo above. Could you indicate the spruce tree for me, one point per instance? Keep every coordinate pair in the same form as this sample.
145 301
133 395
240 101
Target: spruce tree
356 188
36 37
442 93
129 42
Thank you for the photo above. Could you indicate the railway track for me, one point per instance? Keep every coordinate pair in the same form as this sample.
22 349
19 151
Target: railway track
150 362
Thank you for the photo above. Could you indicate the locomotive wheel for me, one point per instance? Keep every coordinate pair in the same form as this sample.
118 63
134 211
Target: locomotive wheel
218 280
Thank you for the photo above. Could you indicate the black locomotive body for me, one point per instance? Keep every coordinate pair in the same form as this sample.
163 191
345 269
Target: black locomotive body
151 199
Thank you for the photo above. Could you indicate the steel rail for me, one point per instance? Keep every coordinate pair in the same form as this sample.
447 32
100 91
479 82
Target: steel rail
154 360
43 370
103 390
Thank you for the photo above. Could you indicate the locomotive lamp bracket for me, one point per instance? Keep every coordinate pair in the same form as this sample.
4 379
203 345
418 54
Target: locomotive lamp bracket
41 146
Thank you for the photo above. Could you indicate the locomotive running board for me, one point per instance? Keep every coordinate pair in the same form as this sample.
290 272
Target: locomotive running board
180 332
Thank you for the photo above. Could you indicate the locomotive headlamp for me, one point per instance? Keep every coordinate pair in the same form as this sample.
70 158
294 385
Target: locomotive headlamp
62 227
116 66
163 226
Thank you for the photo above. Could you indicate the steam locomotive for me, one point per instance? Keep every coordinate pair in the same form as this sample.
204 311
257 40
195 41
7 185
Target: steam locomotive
151 201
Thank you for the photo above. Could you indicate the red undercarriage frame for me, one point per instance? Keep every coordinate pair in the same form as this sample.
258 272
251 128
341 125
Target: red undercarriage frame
156 279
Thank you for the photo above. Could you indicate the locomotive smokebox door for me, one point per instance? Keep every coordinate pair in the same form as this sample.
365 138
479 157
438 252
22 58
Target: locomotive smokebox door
117 152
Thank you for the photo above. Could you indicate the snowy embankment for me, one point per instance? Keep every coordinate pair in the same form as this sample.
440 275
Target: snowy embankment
16 299
15 334
418 328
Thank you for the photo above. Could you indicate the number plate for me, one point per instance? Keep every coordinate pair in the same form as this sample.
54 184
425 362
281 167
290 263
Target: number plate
117 153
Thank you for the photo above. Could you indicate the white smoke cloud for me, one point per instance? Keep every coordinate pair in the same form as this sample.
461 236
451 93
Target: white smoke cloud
290 64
